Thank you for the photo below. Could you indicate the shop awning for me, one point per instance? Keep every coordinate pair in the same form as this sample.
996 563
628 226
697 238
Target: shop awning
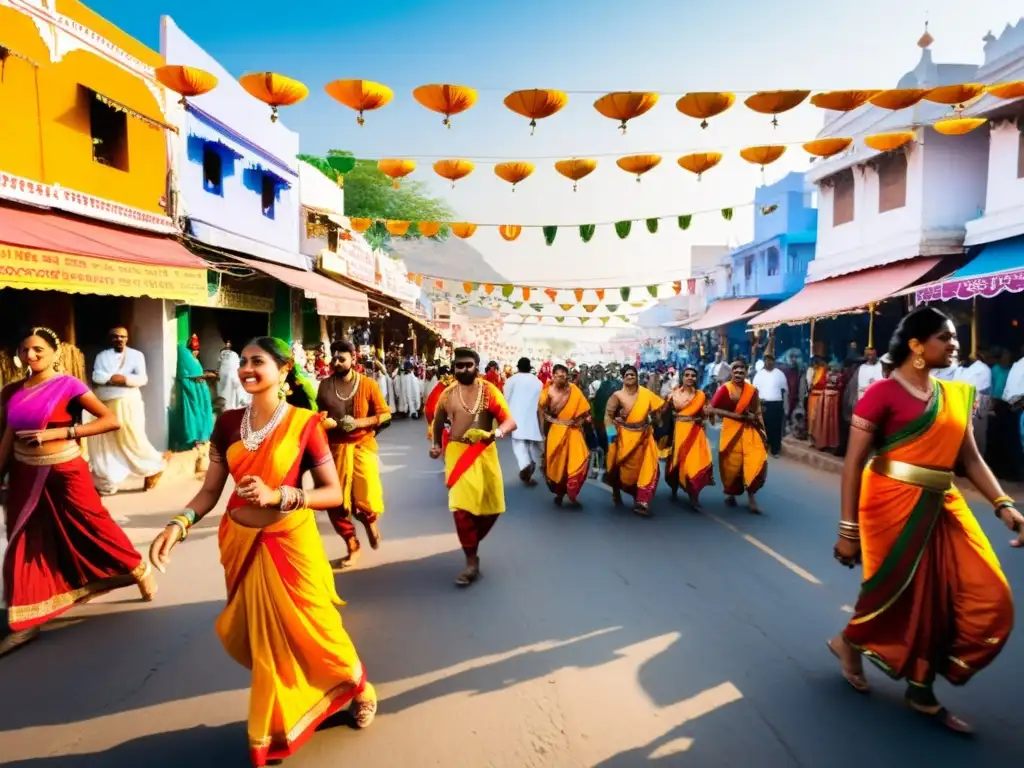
997 269
847 294
331 298
722 312
41 250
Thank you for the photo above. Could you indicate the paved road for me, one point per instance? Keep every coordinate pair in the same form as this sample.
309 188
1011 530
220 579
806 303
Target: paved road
594 639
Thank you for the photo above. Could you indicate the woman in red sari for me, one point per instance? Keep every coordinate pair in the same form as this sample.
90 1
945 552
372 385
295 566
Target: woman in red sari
63 546
934 600
281 619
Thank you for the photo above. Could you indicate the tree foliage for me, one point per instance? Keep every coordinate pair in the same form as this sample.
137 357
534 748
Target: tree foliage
371 194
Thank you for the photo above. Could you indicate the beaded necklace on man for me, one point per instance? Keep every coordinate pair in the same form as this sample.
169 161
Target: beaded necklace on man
344 400
478 405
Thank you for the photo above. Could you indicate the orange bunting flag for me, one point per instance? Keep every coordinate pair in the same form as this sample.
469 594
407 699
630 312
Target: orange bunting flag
590 307
600 294
488 288
419 280
566 307
526 294
677 286
467 287
579 294
551 293
439 284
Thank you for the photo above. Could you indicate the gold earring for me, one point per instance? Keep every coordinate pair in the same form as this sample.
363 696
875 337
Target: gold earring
918 362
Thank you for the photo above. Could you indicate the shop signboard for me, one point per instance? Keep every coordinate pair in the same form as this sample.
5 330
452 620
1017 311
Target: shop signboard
229 298
359 262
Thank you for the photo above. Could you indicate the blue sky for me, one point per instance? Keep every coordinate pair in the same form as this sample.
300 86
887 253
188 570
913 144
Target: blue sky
664 45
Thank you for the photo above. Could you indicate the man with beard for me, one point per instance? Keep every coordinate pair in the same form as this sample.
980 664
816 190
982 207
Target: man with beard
354 411
565 409
476 493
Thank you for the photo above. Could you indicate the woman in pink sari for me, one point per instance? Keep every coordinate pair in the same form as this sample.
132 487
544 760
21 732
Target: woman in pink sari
63 546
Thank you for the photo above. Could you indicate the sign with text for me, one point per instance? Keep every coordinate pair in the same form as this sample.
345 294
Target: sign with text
360 263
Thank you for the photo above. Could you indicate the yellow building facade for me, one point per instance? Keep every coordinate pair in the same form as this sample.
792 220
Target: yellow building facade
80 112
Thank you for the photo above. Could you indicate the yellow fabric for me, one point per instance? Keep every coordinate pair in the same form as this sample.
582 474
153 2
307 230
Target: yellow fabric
741 464
481 489
636 453
697 460
359 470
566 452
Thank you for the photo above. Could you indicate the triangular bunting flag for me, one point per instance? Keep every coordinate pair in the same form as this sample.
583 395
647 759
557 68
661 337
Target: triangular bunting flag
624 293
684 221
590 307
578 293
566 307
551 293
586 232
600 294
526 293
677 287
506 290
488 288
652 225
622 229
653 290
549 234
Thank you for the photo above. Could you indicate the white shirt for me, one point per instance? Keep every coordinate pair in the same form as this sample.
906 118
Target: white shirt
594 386
866 376
724 372
131 364
978 374
1014 382
522 392
770 385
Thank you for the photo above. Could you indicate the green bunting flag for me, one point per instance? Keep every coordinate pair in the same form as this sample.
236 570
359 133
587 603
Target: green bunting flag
549 234
653 290
652 225
685 220
727 214
613 307
587 232
604 320
560 319
506 290
622 228
624 293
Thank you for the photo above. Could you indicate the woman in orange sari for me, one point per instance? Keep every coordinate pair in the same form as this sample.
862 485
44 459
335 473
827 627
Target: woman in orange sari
632 464
566 458
816 395
934 600
281 619
742 451
690 466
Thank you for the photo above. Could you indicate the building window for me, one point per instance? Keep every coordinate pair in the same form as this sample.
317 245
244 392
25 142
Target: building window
332 238
213 171
772 261
109 130
269 195
1020 152
842 198
748 268
892 182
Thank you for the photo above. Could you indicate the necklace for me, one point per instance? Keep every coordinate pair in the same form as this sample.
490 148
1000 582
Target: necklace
351 393
478 405
913 389
251 439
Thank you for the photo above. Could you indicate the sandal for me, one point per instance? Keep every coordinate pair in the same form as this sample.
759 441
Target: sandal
468 576
365 710
857 680
942 717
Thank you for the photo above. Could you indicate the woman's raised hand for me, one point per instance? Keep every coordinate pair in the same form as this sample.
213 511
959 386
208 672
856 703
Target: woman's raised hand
160 549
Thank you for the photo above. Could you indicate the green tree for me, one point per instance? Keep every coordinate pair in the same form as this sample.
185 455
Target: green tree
370 194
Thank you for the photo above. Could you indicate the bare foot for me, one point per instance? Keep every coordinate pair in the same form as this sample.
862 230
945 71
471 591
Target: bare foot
850 663
730 501
364 708
373 534
470 574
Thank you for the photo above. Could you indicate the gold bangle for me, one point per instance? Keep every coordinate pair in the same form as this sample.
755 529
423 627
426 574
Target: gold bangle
1001 500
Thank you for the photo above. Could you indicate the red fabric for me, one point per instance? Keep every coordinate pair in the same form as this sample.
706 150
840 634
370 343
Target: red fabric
472 529
888 406
64 234
465 461
68 543
344 525
495 378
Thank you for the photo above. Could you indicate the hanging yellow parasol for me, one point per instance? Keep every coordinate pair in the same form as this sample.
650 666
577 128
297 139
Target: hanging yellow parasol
360 224
510 231
958 126
774 103
827 147
397 228
462 229
359 95
396 168
576 169
429 228
896 99
701 105
1012 90
453 170
626 105
273 89
842 101
513 172
185 81
887 142
445 99
638 164
763 155
699 162
536 103
955 96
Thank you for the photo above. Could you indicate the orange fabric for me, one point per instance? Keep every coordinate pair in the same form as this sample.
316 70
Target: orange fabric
567 459
690 465
632 464
367 400
742 457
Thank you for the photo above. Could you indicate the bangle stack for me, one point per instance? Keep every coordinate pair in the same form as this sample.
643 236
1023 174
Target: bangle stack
291 498
183 522
72 433
1001 503
849 530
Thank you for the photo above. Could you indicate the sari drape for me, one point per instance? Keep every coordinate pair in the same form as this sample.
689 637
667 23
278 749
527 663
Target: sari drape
934 600
690 465
567 459
632 465
473 472
742 456
192 415
815 395
281 619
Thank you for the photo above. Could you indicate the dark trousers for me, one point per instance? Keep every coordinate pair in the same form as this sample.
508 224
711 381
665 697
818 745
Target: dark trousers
774 414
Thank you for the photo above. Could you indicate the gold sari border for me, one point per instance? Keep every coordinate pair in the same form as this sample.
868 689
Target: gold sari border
935 480
18 614
47 459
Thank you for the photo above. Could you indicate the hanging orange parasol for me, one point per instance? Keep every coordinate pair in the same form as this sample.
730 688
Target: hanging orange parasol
510 231
763 155
699 162
638 164
273 89
360 95
775 102
397 228
896 99
462 229
429 228
360 224
701 105
536 103
453 170
955 96
576 169
396 168
887 142
1012 90
827 147
185 81
958 126
626 105
445 99
513 172
842 101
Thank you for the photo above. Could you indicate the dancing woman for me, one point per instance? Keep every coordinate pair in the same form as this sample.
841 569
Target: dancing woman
690 466
934 600
281 619
63 546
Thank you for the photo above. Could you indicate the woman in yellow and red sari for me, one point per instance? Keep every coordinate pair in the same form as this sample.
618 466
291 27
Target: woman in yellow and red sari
564 409
690 465
281 619
934 600
632 464
742 452
818 381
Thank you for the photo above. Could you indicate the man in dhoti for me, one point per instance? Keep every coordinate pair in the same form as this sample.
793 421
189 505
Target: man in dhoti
409 394
476 493
522 391
119 373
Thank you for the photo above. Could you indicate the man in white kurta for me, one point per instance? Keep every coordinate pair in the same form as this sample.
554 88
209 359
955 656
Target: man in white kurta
119 373
410 397
522 392
869 371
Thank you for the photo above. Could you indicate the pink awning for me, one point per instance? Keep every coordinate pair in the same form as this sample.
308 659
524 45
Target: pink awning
331 298
723 312
847 294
